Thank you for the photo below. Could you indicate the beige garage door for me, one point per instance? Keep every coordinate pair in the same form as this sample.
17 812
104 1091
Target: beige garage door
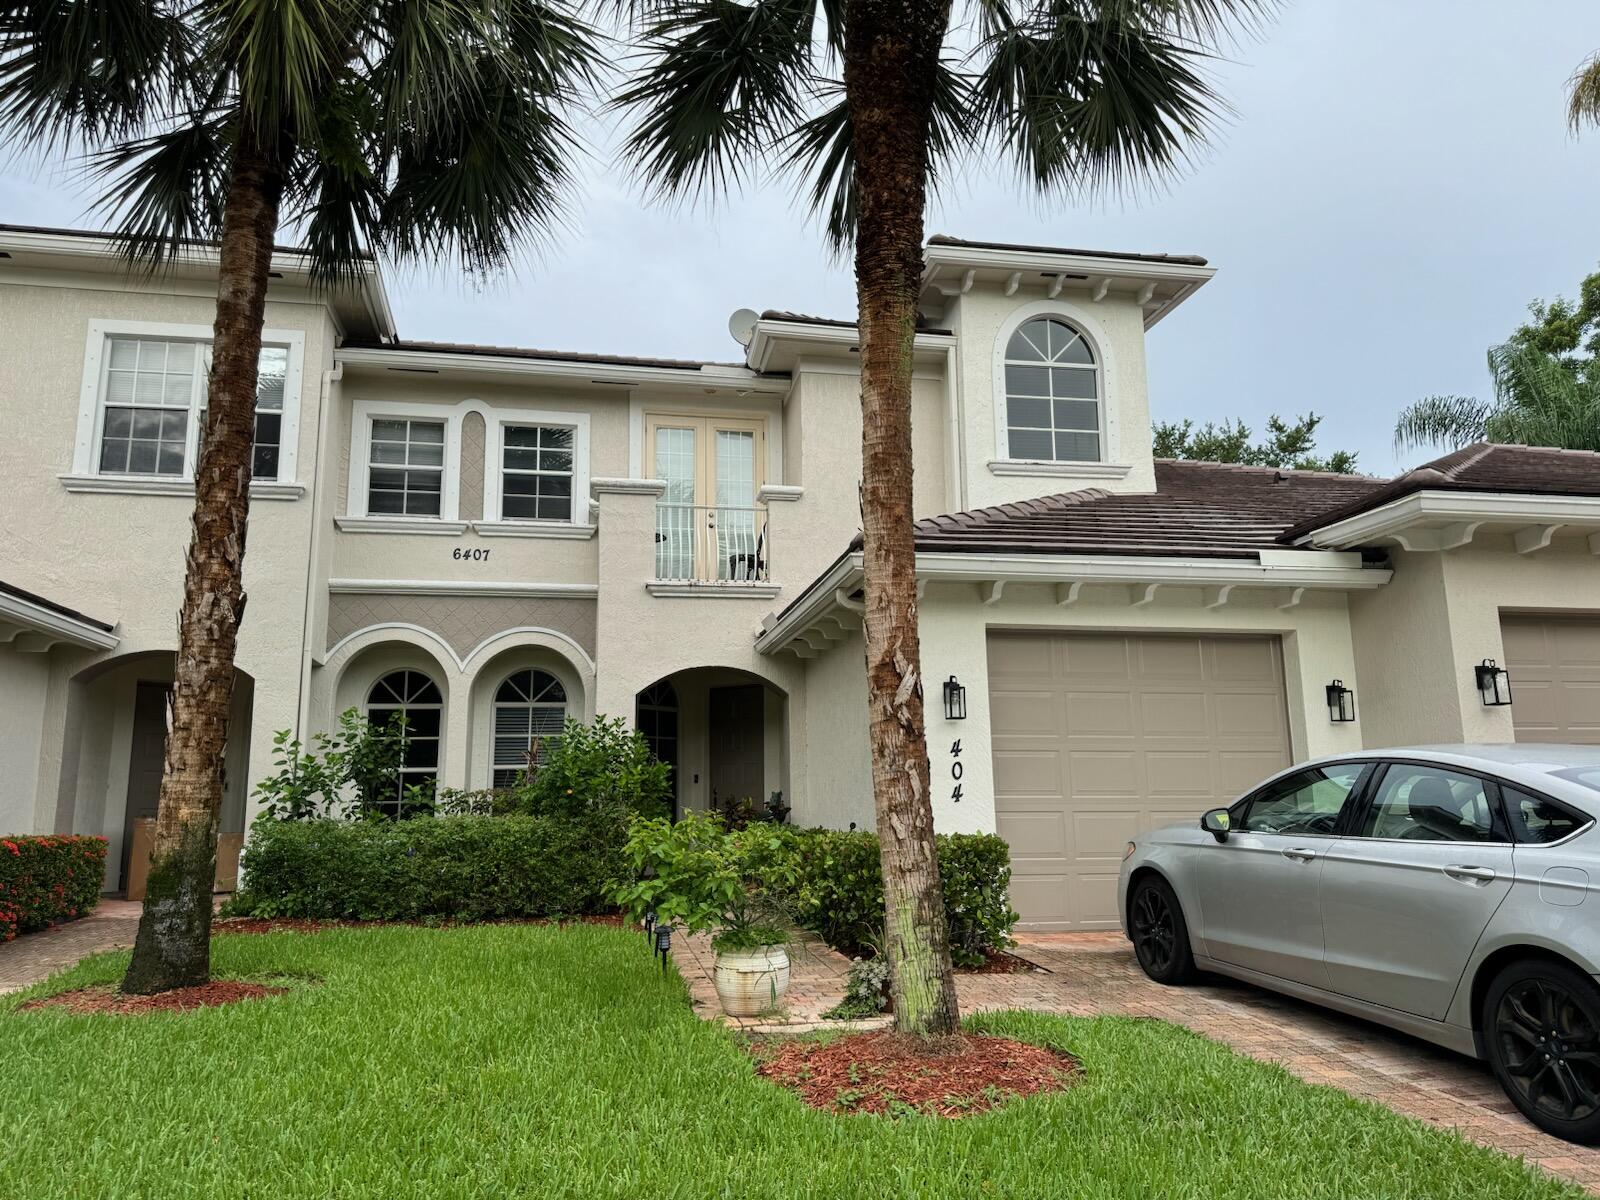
1555 677
1097 737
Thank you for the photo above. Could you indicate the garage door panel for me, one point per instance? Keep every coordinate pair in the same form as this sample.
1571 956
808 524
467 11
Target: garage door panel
1029 773
1555 676
1145 730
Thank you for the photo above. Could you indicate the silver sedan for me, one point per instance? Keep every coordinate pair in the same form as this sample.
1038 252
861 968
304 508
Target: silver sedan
1442 890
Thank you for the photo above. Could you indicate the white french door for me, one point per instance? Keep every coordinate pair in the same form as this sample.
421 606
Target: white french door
708 526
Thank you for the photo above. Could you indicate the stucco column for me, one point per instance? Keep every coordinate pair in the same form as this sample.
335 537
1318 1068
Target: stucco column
626 562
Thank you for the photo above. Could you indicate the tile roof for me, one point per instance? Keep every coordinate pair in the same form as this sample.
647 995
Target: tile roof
1480 467
1185 260
59 609
65 231
1200 509
614 360
797 318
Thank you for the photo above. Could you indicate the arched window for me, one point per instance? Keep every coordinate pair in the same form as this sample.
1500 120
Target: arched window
1052 394
415 695
656 717
529 708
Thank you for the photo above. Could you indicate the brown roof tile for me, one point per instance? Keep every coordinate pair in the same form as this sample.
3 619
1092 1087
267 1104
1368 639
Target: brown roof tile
617 360
1480 467
1185 260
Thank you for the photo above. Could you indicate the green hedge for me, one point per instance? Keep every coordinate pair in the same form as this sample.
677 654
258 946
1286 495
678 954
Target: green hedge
468 868
837 891
48 879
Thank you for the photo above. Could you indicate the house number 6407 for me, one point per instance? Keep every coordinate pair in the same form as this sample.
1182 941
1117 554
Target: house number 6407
955 770
473 555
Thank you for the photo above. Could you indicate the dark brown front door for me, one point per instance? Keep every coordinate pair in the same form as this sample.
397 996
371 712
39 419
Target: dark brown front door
737 766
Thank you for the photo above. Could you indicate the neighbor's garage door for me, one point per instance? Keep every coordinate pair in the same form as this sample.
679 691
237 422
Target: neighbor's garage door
1555 677
1097 737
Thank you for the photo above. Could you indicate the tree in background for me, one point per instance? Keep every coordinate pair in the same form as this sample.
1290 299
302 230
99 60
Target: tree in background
1286 445
869 103
417 129
1583 96
1546 382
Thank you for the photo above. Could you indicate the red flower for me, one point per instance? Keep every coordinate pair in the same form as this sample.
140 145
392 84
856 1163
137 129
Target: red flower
11 846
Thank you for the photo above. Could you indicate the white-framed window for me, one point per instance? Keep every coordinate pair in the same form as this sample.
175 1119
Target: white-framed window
405 466
1051 382
530 708
143 402
416 697
536 470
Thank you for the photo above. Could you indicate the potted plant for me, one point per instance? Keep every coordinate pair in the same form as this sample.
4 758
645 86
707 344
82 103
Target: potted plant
696 874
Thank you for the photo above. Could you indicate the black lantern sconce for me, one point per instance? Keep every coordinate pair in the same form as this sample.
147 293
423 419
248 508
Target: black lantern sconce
955 700
1494 683
1341 703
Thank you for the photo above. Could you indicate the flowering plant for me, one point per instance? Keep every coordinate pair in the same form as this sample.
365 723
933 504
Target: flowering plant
49 878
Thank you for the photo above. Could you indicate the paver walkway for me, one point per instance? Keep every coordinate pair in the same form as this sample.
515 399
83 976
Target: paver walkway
33 956
1095 974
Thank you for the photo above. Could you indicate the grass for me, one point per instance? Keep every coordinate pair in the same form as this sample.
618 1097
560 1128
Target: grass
539 1062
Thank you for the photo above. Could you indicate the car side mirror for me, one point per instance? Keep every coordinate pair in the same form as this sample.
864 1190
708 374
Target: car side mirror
1216 823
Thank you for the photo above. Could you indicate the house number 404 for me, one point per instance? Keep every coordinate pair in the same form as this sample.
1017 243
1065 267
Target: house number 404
955 771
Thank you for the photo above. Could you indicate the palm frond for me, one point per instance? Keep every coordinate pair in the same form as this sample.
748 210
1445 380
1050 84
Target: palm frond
335 190
282 57
165 190
1449 421
1088 95
90 70
1583 102
724 83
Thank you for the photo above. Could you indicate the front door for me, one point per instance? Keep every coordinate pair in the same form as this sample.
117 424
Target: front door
1259 901
1408 892
738 767
707 525
145 760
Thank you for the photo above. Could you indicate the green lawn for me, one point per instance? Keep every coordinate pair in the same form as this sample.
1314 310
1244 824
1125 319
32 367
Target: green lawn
531 1061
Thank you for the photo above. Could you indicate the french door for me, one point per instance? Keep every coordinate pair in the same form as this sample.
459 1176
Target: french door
708 526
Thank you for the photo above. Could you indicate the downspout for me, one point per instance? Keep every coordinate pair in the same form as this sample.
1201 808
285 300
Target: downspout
955 489
313 553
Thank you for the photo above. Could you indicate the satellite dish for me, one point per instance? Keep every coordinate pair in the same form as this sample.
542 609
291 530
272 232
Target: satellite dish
743 325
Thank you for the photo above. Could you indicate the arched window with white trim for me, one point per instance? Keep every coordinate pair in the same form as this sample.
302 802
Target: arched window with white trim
1052 390
416 697
530 708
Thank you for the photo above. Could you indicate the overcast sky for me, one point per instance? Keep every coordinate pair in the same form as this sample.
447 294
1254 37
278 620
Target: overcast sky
1397 184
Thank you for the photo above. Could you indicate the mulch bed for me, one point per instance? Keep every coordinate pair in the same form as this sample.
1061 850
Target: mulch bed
308 925
998 962
888 1073
106 999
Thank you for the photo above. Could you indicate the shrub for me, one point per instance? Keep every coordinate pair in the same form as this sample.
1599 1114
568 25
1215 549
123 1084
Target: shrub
347 771
463 867
833 884
866 991
46 879
592 767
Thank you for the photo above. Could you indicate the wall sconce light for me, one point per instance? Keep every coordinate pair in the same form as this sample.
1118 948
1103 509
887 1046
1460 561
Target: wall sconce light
955 700
1341 702
1494 683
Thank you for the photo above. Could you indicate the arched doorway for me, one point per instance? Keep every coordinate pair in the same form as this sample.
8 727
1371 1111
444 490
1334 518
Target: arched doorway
725 733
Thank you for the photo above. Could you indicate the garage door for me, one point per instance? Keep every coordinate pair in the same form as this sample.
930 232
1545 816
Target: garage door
1555 677
1097 737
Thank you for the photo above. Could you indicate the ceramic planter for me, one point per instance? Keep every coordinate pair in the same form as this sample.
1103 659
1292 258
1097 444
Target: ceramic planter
751 982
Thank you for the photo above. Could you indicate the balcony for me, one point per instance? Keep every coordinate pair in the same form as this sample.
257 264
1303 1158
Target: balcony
707 549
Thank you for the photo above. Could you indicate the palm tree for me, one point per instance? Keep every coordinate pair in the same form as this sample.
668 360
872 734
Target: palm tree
1540 399
411 127
870 101
1583 104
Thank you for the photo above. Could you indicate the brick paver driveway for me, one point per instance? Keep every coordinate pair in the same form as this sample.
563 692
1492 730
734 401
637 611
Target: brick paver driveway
1091 974
34 956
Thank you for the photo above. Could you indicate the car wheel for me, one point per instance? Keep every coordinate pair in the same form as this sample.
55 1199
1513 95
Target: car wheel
1541 1022
1160 934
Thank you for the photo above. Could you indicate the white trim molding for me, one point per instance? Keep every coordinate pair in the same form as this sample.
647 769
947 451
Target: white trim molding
627 487
464 587
423 526
1445 520
676 590
125 485
1041 469
537 529
30 627
778 493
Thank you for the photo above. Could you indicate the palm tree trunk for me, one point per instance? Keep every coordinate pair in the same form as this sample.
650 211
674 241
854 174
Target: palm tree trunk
173 948
891 55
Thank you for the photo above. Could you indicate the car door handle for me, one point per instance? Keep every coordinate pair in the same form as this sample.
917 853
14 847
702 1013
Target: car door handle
1300 853
1470 874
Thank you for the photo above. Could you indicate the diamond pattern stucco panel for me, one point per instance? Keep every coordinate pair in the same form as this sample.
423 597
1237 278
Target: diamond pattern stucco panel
472 451
462 621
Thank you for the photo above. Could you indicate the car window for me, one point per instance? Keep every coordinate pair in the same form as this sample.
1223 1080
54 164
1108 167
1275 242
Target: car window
1538 819
1430 804
1306 802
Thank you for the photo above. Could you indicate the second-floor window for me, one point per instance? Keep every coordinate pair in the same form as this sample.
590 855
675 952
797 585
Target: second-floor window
536 473
405 467
153 407
1052 389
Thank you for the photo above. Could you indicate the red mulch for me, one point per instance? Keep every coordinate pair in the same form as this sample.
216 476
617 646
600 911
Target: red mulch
307 925
107 999
889 1073
998 962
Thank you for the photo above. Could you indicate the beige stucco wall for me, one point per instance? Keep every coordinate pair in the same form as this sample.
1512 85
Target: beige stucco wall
1420 637
838 761
24 700
983 320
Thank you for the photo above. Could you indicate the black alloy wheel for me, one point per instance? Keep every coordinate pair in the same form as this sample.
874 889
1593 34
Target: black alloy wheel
1160 934
1542 1026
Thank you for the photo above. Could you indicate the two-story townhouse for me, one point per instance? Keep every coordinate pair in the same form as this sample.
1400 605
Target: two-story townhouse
494 539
